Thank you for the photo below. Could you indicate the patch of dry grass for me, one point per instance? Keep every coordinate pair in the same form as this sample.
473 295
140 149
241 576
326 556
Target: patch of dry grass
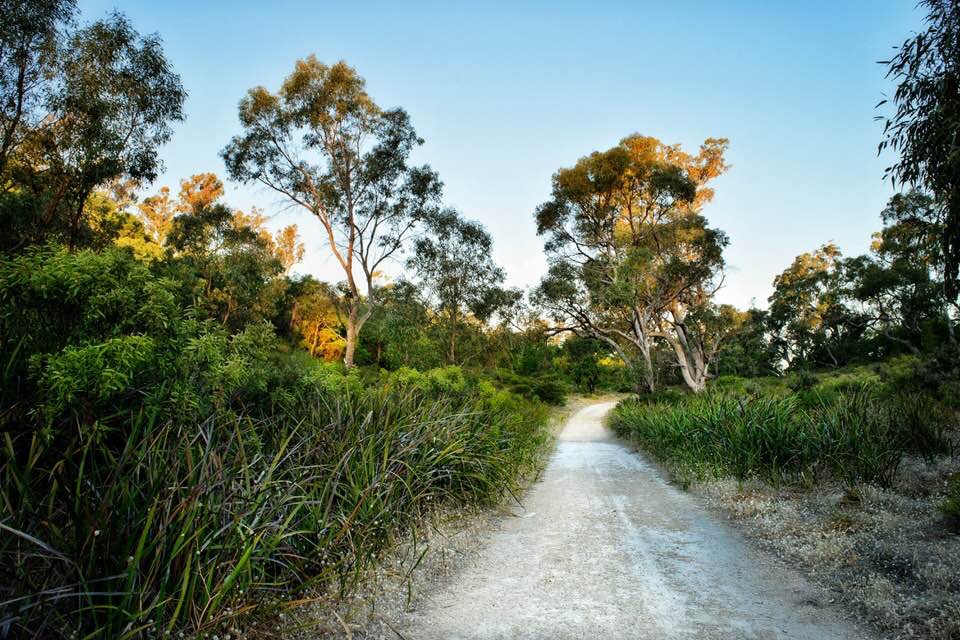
889 554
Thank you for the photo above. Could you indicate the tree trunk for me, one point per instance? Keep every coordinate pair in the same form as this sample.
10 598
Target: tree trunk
694 377
452 353
693 366
648 373
642 337
316 336
355 322
352 332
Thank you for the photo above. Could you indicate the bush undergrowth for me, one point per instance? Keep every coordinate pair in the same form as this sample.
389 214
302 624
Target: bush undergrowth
153 524
857 435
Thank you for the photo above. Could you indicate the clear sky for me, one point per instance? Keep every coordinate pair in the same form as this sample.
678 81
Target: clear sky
506 93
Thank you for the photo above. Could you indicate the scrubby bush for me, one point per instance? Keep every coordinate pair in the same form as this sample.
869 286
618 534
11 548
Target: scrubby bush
439 380
157 523
446 379
802 380
545 388
924 425
667 396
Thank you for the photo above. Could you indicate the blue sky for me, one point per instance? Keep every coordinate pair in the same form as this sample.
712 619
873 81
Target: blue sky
506 93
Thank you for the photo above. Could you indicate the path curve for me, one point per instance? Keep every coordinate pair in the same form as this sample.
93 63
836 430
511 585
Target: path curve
604 547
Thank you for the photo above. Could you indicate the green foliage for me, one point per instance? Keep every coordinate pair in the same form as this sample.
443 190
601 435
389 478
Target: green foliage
583 355
923 129
440 380
331 377
667 396
87 334
323 143
226 267
853 434
803 380
174 474
546 388
454 262
633 262
748 351
447 379
69 96
924 424
186 524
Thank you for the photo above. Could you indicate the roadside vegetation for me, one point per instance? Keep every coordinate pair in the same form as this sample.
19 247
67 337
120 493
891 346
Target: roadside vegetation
828 423
854 427
850 474
176 476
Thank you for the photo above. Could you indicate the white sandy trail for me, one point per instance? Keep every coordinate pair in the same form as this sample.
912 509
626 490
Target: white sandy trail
605 548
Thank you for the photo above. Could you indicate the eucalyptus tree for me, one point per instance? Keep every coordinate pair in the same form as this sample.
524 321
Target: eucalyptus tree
632 260
924 129
324 145
898 287
814 317
453 261
81 108
31 35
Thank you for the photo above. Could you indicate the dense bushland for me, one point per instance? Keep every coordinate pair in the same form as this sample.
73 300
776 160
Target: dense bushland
158 472
189 432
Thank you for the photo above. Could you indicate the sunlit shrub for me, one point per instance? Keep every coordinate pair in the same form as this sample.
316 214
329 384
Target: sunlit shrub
446 379
331 377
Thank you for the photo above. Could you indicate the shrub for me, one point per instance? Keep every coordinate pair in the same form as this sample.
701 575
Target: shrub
669 396
802 380
545 388
331 377
446 379
922 423
856 437
440 380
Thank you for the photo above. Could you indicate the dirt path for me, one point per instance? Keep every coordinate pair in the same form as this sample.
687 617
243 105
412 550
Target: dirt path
605 548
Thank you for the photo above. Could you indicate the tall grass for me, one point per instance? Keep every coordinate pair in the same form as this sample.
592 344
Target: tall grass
157 525
855 435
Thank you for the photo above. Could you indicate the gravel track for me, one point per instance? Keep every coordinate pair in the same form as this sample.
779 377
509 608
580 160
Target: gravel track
605 547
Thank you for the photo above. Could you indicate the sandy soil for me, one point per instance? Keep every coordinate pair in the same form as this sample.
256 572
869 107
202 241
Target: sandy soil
605 547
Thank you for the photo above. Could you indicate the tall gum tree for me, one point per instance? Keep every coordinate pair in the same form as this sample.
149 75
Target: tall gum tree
924 128
631 258
454 263
324 144
79 110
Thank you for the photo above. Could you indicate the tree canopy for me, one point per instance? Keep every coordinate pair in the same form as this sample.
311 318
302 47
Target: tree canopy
323 143
632 260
